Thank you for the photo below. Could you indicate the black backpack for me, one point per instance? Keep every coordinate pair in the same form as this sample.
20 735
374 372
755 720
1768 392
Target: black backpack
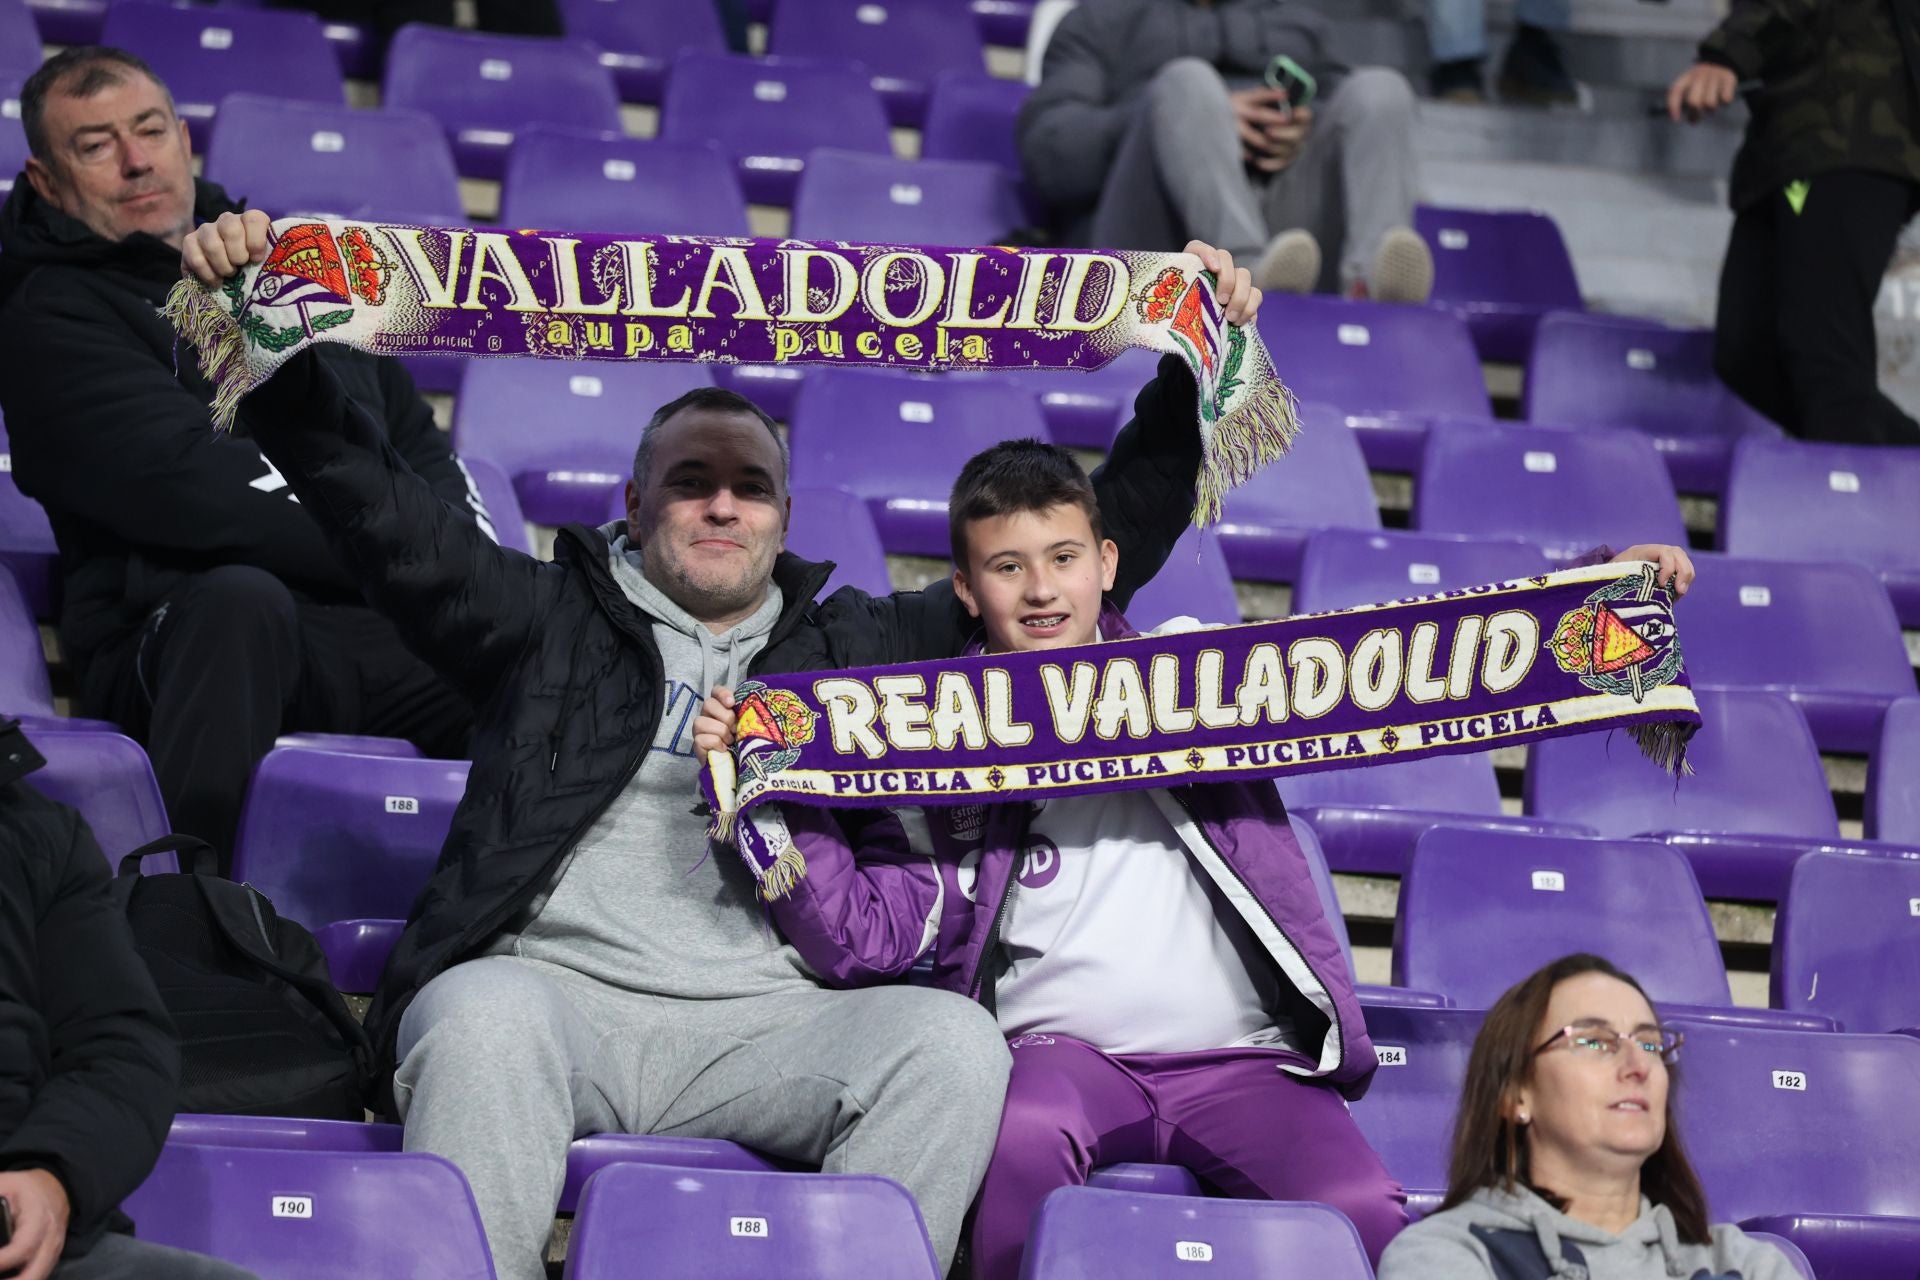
263 1031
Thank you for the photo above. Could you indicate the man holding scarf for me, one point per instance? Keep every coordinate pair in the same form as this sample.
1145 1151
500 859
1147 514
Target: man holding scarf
578 963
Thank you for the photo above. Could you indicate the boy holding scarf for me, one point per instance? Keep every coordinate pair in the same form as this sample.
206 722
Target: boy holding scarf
1159 960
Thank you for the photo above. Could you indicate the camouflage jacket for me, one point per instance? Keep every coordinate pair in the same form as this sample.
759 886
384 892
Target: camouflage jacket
1839 88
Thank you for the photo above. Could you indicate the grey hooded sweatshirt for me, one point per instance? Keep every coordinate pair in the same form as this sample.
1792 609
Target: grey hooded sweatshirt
1519 1236
642 902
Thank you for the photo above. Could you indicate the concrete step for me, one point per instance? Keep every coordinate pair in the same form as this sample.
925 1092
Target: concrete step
1638 144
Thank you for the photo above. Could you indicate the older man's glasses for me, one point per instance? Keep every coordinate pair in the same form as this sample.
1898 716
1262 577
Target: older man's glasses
1586 1040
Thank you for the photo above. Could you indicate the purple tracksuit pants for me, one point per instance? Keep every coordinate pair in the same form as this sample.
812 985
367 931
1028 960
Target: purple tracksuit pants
1229 1115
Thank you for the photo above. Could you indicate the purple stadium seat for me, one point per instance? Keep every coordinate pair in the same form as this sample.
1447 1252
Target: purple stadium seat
898 439
638 39
636 1219
1632 901
770 113
1085 410
1330 903
1848 502
203 55
1846 942
1825 635
352 744
836 525
1086 1233
355 44
1565 491
68 22
903 44
328 836
1607 371
357 951
589 415
774 387
1150 1179
439 374
27 548
504 519
20 40
1194 583
971 116
1368 819
13 138
1004 22
585 1156
1500 272
315 1215
854 195
1321 483
302 157
1407 1114
1756 800
1389 367
106 777
1340 568
1810 1136
24 690
567 180
1893 800
484 89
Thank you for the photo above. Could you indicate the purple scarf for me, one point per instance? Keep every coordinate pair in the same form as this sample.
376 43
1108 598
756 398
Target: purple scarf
398 290
1503 664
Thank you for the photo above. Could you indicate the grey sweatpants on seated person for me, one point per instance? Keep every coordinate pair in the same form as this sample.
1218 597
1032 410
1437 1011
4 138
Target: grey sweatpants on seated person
505 1059
1178 174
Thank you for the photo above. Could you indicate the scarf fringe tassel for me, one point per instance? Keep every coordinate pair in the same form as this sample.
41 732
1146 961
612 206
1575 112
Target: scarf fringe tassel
199 318
1258 430
1666 745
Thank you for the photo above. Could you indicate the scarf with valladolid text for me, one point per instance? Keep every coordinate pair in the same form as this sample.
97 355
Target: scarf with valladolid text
1508 663
406 290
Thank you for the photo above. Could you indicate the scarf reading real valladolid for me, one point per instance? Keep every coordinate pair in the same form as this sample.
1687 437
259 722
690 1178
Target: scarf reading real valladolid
1571 652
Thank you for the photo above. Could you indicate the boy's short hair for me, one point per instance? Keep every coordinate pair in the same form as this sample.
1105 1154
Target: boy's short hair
1015 476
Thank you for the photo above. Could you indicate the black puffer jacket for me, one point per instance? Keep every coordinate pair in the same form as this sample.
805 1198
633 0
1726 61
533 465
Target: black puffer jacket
88 1062
563 667
111 431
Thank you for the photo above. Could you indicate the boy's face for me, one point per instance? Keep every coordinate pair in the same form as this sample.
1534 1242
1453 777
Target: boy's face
1035 578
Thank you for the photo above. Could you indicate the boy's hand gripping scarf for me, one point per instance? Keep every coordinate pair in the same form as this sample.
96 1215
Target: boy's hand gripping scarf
1578 651
399 290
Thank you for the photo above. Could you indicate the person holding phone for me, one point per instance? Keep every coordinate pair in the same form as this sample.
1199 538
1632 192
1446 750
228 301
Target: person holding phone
88 1061
1228 121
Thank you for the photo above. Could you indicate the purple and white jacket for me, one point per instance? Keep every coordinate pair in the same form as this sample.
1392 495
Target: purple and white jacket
884 888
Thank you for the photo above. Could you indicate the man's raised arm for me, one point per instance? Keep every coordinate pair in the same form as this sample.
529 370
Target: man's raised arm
463 603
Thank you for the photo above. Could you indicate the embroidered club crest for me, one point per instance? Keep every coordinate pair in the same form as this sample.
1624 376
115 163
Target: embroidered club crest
1157 300
771 725
368 269
1622 640
303 271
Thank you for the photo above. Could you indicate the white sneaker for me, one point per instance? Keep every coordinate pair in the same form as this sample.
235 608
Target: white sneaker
1402 268
1291 263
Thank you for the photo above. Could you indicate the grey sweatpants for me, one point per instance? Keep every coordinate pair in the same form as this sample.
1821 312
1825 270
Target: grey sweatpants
1178 174
504 1060
118 1257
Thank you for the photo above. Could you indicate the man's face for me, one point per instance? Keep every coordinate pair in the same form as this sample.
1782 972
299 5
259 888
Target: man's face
713 515
120 161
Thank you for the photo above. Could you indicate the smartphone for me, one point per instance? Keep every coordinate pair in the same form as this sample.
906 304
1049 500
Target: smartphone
6 1222
1284 73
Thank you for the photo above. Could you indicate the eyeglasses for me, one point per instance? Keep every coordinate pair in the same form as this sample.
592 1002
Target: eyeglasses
1604 1042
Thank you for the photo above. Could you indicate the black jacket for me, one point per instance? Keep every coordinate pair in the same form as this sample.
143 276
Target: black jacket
88 1061
1839 88
110 429
563 668
1102 55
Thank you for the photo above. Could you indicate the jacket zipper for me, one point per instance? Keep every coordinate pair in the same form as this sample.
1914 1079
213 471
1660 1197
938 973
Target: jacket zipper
1333 1006
993 931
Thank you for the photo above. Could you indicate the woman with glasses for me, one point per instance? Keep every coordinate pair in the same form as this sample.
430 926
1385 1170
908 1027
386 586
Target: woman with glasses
1566 1160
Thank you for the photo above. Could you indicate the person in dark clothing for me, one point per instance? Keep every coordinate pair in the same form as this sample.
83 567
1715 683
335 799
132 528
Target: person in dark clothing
1159 120
503 17
88 1062
582 960
202 609
1827 176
